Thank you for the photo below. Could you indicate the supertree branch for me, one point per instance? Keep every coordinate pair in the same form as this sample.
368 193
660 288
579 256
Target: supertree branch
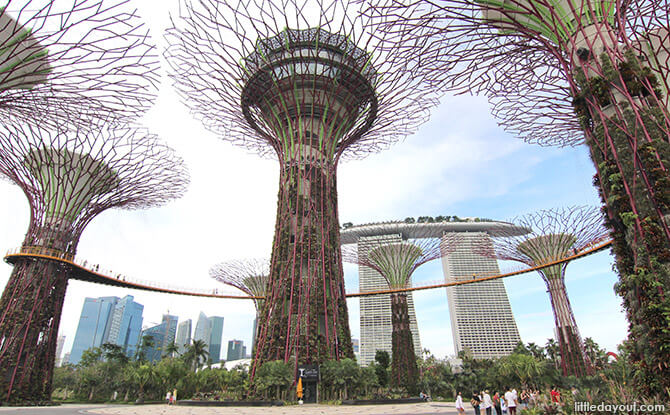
68 176
397 251
248 275
309 83
84 56
554 234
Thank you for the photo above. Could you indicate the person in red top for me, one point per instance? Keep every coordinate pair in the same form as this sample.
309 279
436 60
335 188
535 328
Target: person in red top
555 395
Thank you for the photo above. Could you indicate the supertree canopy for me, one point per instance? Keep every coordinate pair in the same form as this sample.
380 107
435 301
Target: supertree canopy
395 251
67 58
249 276
554 235
69 177
309 83
565 73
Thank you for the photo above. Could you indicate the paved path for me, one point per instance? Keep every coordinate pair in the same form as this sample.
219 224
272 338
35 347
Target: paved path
429 408
68 409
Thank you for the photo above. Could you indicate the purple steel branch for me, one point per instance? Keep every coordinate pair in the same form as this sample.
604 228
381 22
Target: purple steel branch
69 177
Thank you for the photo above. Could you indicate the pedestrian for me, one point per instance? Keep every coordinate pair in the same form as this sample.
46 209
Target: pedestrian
496 403
555 395
475 402
459 404
524 399
174 396
168 398
486 402
510 399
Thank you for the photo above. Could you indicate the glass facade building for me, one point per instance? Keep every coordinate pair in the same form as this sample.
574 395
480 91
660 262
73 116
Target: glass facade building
93 327
163 335
183 338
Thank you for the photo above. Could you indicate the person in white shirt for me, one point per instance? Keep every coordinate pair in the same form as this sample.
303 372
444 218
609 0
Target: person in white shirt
511 402
459 404
487 403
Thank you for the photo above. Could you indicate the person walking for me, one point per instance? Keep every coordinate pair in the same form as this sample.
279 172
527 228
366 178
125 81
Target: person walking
174 396
510 399
486 402
475 402
459 404
168 398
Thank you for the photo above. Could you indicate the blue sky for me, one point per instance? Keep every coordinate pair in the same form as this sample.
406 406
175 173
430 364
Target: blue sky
459 163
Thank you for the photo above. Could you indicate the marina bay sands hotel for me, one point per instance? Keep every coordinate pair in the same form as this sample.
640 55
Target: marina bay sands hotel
481 317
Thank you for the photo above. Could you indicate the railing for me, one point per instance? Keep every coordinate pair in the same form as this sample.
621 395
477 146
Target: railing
108 276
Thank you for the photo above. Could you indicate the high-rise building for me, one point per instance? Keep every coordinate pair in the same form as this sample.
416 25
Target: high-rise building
215 338
375 317
481 317
203 329
163 335
210 331
93 327
253 334
125 325
357 348
183 338
59 349
236 350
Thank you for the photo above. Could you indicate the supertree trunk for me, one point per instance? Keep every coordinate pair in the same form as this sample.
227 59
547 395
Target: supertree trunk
574 360
305 319
31 309
404 370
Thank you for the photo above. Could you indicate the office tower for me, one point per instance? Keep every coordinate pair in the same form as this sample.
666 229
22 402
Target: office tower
357 349
126 325
163 335
215 338
253 334
481 317
210 331
183 338
59 349
376 328
93 327
236 350
203 329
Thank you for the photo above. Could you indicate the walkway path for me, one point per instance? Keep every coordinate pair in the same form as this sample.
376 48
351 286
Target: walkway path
400 409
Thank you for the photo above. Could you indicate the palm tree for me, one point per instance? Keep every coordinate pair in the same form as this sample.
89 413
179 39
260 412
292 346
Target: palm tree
195 352
171 350
553 352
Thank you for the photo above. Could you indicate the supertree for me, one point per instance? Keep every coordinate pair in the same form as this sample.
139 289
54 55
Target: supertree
565 73
395 251
68 58
554 234
309 83
249 276
69 176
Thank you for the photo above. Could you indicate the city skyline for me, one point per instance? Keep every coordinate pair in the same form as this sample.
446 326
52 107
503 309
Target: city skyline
433 172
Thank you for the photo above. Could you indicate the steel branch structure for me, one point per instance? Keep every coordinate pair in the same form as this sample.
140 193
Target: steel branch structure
68 59
69 177
396 261
249 276
562 72
555 234
309 83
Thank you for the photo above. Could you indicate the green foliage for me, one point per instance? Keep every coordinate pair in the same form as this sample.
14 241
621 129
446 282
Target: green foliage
274 378
382 368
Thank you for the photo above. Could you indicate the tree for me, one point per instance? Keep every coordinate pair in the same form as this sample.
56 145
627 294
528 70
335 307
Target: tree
195 353
171 350
114 352
142 374
381 369
274 377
